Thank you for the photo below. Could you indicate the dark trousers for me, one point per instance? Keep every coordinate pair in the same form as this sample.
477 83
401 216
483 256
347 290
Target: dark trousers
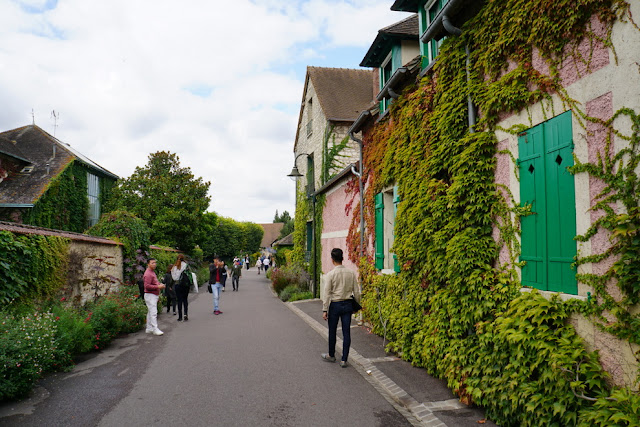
235 281
340 310
171 302
183 301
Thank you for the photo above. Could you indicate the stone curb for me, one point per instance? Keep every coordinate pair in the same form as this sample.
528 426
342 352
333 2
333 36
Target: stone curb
422 413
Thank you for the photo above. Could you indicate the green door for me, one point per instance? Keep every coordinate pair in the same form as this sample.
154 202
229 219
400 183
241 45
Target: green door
548 247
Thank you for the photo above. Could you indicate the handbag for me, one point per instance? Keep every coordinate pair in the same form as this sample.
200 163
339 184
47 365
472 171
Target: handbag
355 307
209 288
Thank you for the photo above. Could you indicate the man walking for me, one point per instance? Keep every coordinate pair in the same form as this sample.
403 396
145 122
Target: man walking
236 273
216 272
152 288
340 285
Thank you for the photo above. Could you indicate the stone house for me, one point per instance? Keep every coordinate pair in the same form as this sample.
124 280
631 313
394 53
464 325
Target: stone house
45 182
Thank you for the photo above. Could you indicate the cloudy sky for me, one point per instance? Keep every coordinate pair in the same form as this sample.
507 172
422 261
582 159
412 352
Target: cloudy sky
217 82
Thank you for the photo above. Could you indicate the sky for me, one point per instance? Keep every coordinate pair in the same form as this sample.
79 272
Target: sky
219 83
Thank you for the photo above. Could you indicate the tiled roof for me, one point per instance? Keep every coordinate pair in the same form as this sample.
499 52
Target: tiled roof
29 229
285 241
9 148
343 92
271 233
48 156
407 29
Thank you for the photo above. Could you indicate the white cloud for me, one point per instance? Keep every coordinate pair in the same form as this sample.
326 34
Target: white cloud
219 85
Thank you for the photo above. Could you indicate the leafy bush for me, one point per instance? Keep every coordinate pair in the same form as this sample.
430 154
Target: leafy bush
300 296
73 334
116 313
622 408
28 348
292 274
286 293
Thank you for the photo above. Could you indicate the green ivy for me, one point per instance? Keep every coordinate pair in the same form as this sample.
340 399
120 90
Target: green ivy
452 309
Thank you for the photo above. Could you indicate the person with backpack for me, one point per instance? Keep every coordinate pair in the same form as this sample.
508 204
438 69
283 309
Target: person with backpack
181 276
169 291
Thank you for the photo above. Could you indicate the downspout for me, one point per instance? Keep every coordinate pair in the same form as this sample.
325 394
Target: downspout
352 130
471 109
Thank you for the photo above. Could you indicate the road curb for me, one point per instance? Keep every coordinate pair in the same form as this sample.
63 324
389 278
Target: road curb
419 413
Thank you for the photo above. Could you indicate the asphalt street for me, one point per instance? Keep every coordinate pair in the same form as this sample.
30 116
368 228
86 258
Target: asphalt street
257 364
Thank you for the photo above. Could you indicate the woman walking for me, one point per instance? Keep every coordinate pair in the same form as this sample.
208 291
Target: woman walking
182 284
169 290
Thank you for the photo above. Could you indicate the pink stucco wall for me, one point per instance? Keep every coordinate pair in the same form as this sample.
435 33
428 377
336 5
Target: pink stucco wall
335 220
504 165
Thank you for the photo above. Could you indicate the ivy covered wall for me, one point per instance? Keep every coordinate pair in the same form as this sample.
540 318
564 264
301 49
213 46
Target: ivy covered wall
456 307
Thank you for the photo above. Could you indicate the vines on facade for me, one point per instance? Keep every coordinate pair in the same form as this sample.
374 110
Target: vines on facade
452 309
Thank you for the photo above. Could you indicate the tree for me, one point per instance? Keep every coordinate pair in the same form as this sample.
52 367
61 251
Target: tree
288 223
167 197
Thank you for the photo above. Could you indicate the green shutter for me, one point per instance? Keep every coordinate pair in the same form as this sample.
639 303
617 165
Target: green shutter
561 207
379 231
548 248
396 200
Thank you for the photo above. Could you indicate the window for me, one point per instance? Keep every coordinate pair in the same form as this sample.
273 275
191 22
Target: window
428 13
309 117
386 204
93 191
548 248
386 70
311 175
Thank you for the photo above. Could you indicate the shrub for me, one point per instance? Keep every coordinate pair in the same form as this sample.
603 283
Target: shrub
116 313
286 293
300 296
292 274
73 334
28 348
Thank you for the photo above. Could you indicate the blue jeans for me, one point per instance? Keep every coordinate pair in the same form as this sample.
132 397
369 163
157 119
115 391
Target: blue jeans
216 295
340 310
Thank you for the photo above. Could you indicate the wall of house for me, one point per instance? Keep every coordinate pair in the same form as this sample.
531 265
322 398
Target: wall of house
335 226
410 49
85 272
313 143
600 89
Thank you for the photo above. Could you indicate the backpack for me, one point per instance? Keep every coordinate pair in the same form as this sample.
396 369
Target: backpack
186 281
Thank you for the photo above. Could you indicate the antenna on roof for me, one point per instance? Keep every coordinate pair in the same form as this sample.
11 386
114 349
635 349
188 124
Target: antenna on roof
55 120
33 117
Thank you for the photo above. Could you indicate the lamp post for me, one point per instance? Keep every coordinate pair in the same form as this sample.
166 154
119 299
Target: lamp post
294 175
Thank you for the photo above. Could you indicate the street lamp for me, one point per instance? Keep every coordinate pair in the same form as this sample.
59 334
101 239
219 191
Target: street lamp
294 175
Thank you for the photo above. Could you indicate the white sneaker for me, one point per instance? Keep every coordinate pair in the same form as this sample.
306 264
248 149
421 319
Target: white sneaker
158 332
147 332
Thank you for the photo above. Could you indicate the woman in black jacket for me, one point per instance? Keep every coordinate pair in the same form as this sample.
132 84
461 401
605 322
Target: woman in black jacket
169 290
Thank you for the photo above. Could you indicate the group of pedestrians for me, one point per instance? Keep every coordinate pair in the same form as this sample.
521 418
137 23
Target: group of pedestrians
177 282
340 288
263 263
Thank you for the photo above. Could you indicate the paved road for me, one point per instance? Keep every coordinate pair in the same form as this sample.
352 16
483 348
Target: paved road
255 365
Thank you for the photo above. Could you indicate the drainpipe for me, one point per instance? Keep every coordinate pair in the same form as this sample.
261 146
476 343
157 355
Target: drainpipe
359 121
388 88
454 31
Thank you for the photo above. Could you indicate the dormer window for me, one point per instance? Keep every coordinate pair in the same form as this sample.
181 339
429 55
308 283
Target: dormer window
428 13
386 71
27 169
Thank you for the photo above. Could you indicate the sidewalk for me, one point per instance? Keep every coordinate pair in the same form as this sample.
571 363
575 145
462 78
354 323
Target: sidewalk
425 398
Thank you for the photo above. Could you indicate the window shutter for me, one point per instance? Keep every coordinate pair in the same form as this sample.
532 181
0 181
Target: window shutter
548 245
396 200
379 231
561 207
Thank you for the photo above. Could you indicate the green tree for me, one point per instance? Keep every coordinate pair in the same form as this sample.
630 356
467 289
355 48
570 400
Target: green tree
288 223
167 197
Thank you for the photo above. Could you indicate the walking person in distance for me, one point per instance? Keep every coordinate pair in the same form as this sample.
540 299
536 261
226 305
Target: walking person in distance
216 271
180 274
340 285
169 290
236 273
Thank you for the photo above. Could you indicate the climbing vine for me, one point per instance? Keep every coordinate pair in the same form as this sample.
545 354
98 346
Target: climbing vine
452 308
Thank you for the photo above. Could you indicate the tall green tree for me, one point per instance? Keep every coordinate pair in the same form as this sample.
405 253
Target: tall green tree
168 197
288 223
